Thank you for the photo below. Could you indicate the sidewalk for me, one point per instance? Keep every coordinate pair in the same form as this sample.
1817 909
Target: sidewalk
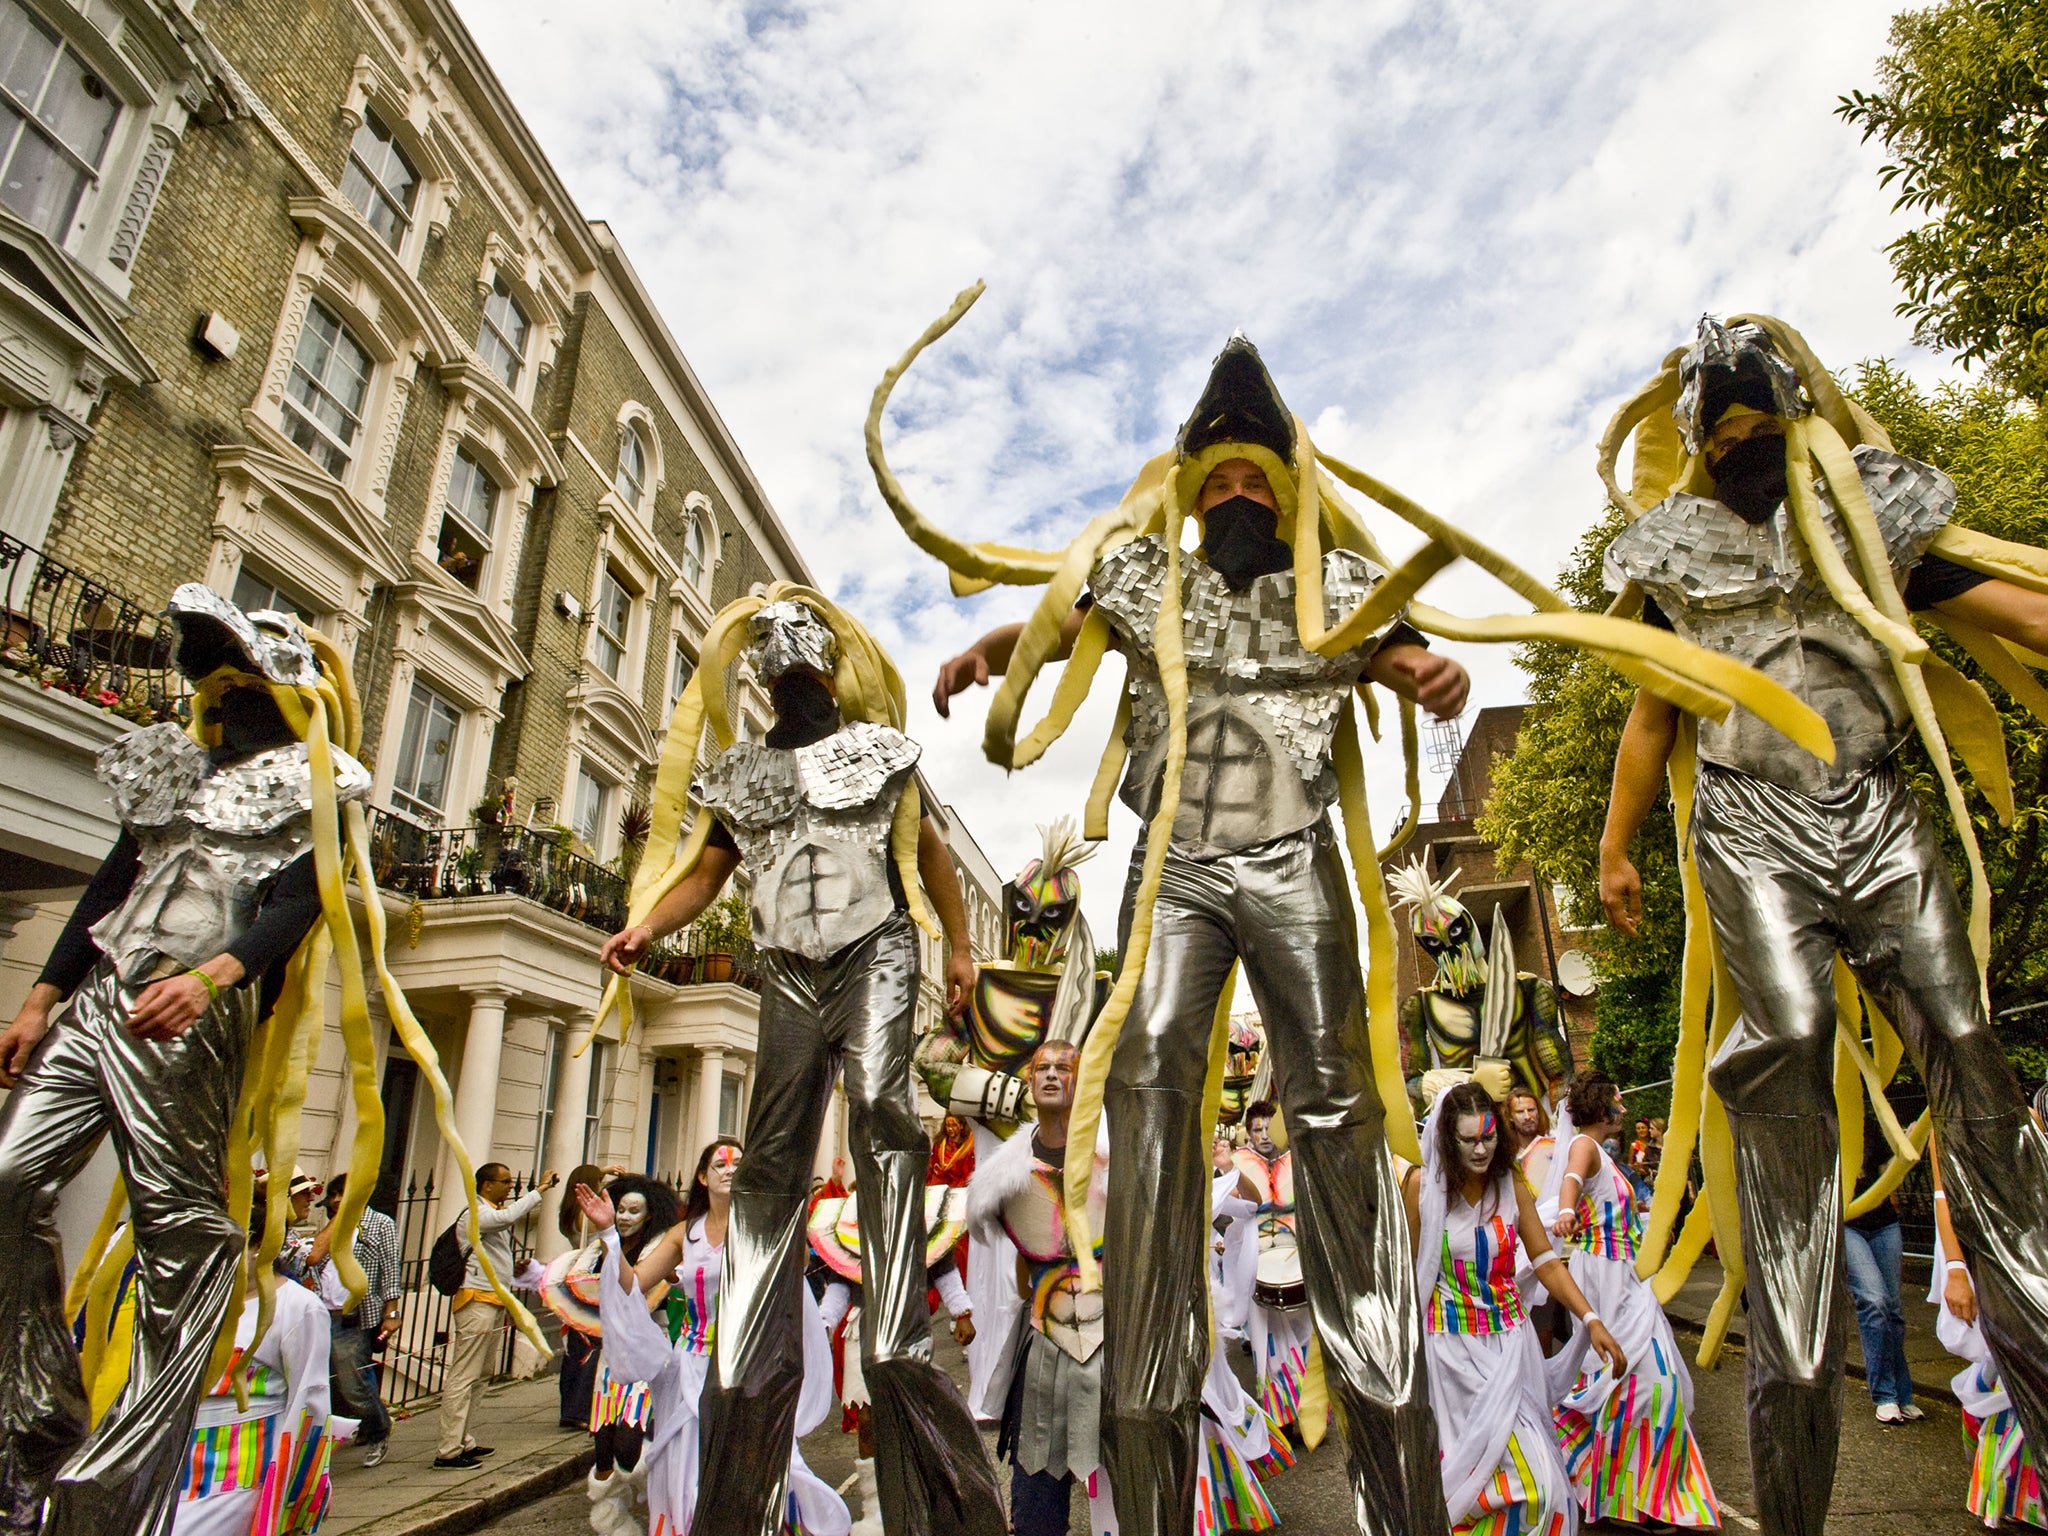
408 1496
1932 1366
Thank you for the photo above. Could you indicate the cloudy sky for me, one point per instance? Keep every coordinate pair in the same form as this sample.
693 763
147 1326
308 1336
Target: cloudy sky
1459 233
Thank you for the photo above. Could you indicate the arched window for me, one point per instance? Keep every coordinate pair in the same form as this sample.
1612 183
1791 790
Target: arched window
380 180
630 480
323 404
501 339
696 549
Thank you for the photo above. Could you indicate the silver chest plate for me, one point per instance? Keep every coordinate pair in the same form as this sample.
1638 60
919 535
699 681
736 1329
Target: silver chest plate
813 824
1262 707
209 839
1751 592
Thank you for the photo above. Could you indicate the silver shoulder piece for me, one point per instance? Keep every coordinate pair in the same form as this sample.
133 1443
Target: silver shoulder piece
260 794
151 772
749 785
1911 501
1126 584
1695 550
853 765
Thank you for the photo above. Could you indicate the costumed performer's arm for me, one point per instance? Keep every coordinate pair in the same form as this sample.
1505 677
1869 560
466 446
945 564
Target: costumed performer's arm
2008 610
636 1347
1646 743
990 657
657 1261
680 907
1585 1157
1957 1293
1557 1278
942 883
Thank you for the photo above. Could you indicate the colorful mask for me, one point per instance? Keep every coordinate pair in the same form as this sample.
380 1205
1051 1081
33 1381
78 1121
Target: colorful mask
1443 929
1039 906
1478 1135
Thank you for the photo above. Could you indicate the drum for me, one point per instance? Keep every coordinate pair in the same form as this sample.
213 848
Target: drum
1279 1283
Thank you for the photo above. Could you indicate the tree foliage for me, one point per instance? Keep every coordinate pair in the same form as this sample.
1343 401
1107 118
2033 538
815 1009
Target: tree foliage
1550 797
1961 107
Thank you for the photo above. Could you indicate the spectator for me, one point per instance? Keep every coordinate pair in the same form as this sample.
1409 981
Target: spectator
358 1336
474 1323
293 1255
1873 1249
579 1349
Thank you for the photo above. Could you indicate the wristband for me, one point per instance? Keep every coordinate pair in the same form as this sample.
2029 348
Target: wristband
1955 1264
1589 1317
212 986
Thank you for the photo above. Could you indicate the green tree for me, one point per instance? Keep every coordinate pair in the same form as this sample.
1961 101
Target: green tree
1961 107
1550 796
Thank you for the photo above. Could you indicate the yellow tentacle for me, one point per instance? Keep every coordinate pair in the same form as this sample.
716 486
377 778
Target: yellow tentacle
903 848
1411 762
1219 1050
2021 564
1998 659
1109 772
111 1219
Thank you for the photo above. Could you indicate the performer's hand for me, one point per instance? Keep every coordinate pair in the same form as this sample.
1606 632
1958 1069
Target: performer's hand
26 1032
960 979
1604 1345
967 670
1621 892
1567 1225
166 1009
963 1329
597 1207
626 948
1415 672
1495 1076
1960 1297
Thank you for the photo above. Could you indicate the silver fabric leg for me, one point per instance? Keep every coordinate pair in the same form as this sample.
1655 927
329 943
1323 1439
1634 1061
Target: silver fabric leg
1285 909
167 1107
1789 882
931 1471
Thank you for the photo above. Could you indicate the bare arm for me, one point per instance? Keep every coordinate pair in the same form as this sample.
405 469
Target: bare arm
2006 609
1557 1278
1411 1201
1585 1157
1417 673
942 883
990 657
1646 743
683 905
1958 1294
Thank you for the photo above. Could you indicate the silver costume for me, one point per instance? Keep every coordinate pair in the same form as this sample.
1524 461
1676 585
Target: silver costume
839 970
1252 875
208 839
1800 862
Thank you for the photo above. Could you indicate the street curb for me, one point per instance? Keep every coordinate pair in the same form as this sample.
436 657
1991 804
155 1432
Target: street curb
1941 1392
459 1512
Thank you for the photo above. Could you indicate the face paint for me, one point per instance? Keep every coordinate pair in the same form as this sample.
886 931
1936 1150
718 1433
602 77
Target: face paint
1040 915
1052 1076
632 1213
1478 1135
1262 1138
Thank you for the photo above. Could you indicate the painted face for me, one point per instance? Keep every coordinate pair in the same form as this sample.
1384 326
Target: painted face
1478 1135
1052 1077
1260 1132
725 1161
952 1131
1039 912
1527 1119
631 1213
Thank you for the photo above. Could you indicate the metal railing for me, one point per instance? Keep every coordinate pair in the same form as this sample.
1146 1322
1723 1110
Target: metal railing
435 863
74 633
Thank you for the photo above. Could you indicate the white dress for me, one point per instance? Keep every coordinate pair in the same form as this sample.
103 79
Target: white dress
262 1471
637 1348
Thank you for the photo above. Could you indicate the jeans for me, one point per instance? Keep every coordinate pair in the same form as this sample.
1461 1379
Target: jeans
1880 1312
352 1374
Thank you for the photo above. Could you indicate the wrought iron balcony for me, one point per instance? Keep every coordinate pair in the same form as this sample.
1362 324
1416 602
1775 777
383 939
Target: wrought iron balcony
437 863
75 634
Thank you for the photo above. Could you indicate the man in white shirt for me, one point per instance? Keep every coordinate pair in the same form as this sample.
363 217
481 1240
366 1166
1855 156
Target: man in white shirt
474 1324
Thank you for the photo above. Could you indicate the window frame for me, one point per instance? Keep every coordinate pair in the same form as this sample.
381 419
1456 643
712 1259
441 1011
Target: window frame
485 537
595 1096
630 438
601 635
32 121
679 654
488 327
409 802
279 596
407 217
292 409
553 1059
602 811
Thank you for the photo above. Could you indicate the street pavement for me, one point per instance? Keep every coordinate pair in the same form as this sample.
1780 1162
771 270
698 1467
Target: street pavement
1889 1482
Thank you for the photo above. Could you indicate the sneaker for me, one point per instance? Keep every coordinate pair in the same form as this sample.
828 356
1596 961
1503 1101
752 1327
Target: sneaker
375 1454
479 1452
459 1463
1889 1413
1910 1413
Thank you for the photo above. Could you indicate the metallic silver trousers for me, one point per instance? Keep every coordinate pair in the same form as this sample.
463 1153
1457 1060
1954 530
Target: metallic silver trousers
1790 882
1283 909
167 1106
854 1012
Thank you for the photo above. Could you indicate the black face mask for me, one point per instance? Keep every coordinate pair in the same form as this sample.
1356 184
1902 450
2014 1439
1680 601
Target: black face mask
1750 477
805 710
1239 541
250 722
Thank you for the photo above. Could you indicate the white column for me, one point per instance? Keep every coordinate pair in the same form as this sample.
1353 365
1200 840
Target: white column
565 1135
14 912
710 1079
476 1090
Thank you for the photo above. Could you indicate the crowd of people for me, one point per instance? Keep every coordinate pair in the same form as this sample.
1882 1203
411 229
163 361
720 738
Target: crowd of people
1467 1305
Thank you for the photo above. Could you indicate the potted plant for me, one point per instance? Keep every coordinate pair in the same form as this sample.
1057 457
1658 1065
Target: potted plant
723 931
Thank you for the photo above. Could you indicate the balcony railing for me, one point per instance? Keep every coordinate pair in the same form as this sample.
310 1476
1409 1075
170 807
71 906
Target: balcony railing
75 634
435 863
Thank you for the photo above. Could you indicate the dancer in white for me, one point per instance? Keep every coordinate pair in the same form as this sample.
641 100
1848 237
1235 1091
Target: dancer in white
690 1260
1279 1321
1469 1216
1627 1437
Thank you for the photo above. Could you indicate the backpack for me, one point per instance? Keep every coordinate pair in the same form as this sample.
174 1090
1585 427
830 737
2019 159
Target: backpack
446 1263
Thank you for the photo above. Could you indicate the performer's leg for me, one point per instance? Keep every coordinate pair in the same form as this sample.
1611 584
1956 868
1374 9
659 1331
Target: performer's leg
48 1128
748 1413
1156 1234
1040 1503
1300 949
1767 861
1910 948
930 1468
170 1104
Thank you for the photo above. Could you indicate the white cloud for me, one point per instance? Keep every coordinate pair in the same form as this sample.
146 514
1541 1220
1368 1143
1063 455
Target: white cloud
1459 232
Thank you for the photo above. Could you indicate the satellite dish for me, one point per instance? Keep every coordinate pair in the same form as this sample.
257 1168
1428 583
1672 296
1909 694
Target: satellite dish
1575 973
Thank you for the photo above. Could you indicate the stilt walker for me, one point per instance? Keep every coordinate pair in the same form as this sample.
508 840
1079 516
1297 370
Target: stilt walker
824 812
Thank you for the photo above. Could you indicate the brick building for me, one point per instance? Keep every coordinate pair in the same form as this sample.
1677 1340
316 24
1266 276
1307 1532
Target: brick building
341 342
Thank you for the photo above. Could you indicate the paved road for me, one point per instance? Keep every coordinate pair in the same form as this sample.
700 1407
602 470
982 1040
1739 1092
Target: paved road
1907 1481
